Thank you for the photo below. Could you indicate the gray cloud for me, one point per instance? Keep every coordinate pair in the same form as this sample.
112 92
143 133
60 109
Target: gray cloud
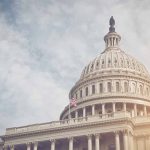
44 46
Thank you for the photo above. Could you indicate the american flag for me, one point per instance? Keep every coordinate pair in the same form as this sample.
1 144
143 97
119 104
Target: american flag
73 102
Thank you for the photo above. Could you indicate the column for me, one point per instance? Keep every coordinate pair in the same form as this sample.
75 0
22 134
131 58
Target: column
135 110
97 143
114 107
117 140
89 142
124 107
147 142
131 141
52 144
71 143
76 114
12 147
93 110
145 111
125 140
103 109
84 112
35 145
5 147
28 146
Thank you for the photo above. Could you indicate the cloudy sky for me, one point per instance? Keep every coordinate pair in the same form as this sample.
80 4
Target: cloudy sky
45 44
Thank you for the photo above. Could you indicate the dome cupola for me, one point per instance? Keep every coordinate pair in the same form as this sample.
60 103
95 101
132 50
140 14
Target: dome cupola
112 39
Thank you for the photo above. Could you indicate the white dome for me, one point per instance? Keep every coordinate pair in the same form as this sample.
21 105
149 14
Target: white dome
114 59
113 76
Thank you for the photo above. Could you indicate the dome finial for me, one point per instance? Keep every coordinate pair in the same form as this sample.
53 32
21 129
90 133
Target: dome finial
112 24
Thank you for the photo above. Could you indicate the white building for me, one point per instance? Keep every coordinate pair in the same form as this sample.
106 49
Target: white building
112 112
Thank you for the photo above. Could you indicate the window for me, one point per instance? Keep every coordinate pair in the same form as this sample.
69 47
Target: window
115 62
80 93
133 88
93 89
101 88
76 96
125 87
117 87
109 86
86 91
109 63
102 63
141 89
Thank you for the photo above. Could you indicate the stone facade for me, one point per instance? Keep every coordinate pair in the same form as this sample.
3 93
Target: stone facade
112 112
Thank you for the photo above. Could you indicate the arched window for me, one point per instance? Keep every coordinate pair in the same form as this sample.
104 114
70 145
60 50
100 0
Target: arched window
97 65
125 87
109 86
80 93
101 88
141 89
93 89
147 91
117 87
76 96
86 91
133 87
102 63
109 62
115 62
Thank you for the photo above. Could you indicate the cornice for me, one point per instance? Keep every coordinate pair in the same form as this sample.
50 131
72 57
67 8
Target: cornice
109 122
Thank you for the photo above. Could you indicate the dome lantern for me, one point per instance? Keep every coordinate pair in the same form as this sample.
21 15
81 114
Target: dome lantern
112 39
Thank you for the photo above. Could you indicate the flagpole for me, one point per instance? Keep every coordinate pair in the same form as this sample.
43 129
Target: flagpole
69 111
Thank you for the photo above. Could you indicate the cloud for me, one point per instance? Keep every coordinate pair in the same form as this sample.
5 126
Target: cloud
44 46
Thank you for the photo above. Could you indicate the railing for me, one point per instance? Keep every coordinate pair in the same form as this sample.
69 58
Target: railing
141 119
68 122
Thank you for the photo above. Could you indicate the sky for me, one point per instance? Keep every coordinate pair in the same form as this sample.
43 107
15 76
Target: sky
45 44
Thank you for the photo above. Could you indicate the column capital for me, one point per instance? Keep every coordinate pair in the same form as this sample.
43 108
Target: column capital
89 136
52 140
11 146
117 131
125 131
28 144
97 135
35 142
70 137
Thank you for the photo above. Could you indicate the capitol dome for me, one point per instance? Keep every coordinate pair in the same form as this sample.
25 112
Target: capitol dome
113 76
